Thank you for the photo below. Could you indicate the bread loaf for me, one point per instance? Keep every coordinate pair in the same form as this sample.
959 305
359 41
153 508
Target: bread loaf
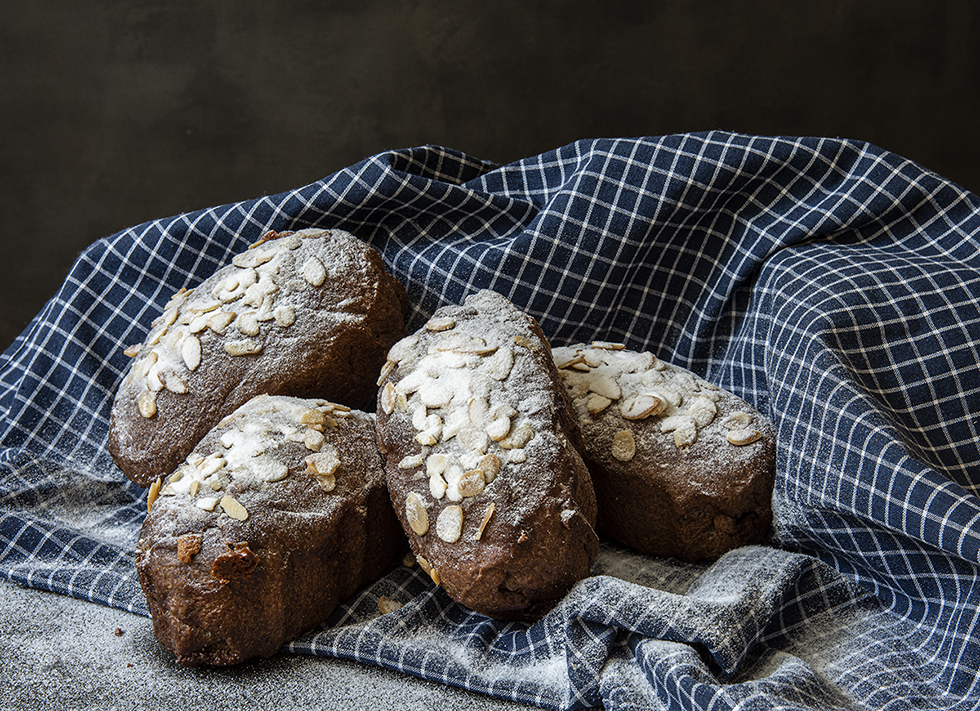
680 467
309 314
482 470
278 514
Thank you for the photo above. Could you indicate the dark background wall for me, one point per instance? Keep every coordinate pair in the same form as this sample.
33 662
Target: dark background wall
116 112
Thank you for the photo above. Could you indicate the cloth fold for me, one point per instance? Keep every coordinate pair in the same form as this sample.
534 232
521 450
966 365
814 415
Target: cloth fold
832 284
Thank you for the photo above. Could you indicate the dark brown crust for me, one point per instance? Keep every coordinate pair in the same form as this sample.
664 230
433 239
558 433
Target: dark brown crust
539 541
334 350
694 502
253 585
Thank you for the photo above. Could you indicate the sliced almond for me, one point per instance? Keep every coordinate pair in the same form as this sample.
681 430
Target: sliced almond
233 508
242 348
190 352
134 350
518 437
314 272
323 463
174 383
737 420
206 503
608 346
686 434
498 429
449 525
389 398
248 323
438 324
499 365
597 403
153 493
416 515
313 439
642 406
285 315
437 486
146 401
386 370
702 409
471 483
623 446
742 437
606 386
412 461
490 466
483 524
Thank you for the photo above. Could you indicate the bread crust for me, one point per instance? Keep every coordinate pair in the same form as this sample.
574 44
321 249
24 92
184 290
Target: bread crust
223 586
680 467
308 314
479 442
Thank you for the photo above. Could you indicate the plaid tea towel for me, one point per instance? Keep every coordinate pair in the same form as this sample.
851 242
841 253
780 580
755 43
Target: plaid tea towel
833 285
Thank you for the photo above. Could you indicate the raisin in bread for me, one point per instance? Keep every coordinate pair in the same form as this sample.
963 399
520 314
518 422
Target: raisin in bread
277 515
482 469
309 314
680 467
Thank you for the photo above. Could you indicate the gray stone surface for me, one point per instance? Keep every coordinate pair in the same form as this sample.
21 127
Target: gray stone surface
62 654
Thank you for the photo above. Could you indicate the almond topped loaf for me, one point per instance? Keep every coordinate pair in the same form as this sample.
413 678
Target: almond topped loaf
309 313
482 469
278 514
680 467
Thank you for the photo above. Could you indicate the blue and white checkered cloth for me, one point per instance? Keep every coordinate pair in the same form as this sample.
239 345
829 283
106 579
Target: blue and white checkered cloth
834 285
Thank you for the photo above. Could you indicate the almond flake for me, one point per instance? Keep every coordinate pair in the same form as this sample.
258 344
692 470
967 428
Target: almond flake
483 524
153 493
146 401
519 437
471 483
623 446
389 398
412 461
597 403
490 466
737 420
435 325
642 406
190 352
449 525
606 386
248 323
686 434
498 429
742 437
416 515
233 508
285 315
314 272
206 503
608 346
323 463
386 370
241 348
313 439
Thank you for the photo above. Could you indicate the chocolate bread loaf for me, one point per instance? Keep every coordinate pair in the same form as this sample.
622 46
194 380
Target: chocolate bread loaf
309 314
680 467
482 470
278 514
